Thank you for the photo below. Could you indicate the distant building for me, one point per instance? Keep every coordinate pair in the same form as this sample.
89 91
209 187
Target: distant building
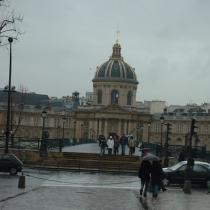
24 98
155 106
89 98
180 125
112 108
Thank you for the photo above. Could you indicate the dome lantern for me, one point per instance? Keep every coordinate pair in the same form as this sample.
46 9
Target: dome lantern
116 51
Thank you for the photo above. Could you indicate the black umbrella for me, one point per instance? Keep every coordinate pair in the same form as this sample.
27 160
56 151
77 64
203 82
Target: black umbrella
151 157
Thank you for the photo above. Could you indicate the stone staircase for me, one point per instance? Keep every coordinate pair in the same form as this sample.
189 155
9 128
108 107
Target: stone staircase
93 162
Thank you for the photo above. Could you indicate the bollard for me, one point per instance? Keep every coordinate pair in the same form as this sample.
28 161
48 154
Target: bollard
208 186
22 181
187 187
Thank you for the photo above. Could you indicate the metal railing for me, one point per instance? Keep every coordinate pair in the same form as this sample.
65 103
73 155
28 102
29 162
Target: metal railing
34 143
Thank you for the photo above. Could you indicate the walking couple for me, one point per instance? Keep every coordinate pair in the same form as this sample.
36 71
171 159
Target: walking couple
151 174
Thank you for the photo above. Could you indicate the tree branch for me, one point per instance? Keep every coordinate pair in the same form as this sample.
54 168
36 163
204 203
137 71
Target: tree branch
8 24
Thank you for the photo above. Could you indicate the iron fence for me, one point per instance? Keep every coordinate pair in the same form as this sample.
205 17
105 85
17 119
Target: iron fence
198 152
35 143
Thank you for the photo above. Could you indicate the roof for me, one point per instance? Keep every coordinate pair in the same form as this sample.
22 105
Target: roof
115 69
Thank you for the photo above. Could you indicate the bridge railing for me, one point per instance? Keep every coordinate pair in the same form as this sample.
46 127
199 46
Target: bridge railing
34 143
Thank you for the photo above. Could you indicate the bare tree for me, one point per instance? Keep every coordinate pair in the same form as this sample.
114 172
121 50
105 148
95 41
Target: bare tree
17 109
18 102
8 23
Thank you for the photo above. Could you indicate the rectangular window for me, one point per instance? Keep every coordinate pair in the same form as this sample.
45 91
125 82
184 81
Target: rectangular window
179 128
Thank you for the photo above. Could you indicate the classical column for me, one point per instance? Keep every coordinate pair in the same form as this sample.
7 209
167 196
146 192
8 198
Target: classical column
90 126
105 129
124 126
130 127
97 128
119 128
100 122
127 126
144 135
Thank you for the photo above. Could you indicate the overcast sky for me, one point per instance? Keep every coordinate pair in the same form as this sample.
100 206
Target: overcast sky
166 41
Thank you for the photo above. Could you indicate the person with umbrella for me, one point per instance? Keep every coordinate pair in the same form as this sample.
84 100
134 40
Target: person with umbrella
144 175
150 157
157 174
156 177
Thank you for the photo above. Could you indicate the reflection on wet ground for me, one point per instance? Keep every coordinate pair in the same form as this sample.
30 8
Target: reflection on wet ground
144 203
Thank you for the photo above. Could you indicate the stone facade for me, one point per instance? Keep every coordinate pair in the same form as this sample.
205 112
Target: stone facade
180 130
27 123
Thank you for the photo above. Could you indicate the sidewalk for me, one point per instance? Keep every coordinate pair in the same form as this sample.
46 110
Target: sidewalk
64 193
176 199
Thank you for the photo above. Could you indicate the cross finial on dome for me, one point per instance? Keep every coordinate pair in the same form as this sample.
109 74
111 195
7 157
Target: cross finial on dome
118 33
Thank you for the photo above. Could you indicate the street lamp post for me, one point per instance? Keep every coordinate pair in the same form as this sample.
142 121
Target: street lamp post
43 147
168 131
81 131
161 133
12 117
10 40
74 135
63 134
190 160
148 134
58 132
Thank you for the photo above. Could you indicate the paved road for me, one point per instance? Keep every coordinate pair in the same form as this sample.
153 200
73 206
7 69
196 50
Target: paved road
93 148
51 190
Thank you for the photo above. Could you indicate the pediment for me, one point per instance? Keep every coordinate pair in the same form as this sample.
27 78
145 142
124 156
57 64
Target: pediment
114 108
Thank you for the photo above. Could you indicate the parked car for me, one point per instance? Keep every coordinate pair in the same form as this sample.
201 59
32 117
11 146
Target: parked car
176 173
10 163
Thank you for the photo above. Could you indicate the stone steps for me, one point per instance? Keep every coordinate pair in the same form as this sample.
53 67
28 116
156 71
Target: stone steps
93 156
90 161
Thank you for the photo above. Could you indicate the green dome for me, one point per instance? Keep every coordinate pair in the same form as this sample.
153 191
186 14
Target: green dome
115 69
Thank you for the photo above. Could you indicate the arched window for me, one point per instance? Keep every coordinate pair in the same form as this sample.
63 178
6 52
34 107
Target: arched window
114 97
99 96
129 98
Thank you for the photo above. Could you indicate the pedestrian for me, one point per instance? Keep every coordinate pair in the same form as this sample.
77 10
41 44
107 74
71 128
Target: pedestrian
181 156
123 143
102 144
156 177
144 175
110 145
131 145
162 186
116 144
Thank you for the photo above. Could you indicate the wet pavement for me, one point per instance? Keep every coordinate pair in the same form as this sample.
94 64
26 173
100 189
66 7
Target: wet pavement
55 190
94 148
62 190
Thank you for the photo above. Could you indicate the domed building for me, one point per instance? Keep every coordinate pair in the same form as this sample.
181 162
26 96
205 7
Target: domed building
115 81
114 107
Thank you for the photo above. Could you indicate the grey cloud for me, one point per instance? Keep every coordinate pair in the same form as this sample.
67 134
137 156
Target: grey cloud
167 42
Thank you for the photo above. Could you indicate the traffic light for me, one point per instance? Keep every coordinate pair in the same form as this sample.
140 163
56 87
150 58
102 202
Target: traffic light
190 160
168 131
193 126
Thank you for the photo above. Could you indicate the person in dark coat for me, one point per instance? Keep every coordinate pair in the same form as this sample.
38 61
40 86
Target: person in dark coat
102 144
156 177
181 156
162 186
144 175
116 144
123 143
